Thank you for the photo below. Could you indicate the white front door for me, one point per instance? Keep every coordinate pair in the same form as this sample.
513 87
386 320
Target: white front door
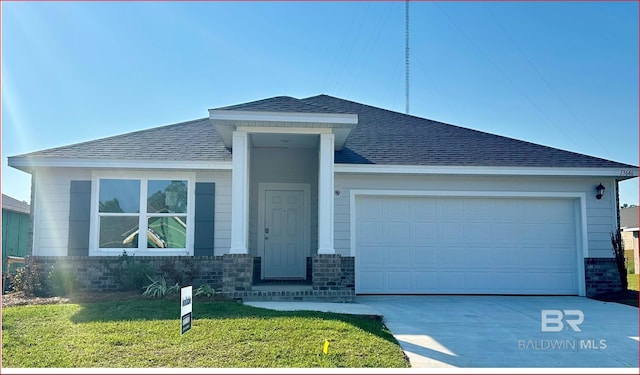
284 234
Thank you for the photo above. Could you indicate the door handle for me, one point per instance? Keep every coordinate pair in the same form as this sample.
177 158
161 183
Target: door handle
266 237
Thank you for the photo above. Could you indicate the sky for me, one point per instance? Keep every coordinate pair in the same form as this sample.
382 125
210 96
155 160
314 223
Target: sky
561 74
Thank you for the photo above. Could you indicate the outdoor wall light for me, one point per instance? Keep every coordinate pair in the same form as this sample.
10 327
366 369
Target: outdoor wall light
600 190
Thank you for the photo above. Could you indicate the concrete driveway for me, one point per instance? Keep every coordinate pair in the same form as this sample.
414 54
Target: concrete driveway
507 331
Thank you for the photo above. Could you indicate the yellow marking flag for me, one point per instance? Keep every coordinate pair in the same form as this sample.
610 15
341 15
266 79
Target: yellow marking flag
325 348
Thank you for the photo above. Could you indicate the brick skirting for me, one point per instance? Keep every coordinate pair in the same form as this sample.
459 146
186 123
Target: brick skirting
601 276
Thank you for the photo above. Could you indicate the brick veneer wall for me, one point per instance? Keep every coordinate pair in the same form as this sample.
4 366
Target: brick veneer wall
93 273
333 272
601 276
237 272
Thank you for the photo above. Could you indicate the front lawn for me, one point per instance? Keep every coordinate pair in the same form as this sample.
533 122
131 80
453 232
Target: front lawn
146 333
632 280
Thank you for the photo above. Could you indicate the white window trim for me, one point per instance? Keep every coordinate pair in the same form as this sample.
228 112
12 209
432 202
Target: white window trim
143 177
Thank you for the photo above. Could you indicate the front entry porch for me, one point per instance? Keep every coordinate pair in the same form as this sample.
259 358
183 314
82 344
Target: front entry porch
282 202
331 278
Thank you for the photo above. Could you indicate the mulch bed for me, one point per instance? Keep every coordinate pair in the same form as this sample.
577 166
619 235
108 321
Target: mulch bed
19 299
627 297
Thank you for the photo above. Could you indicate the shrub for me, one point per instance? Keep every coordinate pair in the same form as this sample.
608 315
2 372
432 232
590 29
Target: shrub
32 279
61 282
129 274
158 288
183 275
618 251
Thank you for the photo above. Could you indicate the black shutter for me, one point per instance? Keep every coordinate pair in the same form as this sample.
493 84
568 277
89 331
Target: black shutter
79 217
204 215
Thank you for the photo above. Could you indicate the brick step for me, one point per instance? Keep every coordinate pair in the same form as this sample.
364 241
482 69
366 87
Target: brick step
346 295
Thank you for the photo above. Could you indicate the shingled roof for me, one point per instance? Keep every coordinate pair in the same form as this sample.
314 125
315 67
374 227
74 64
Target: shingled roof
381 137
195 140
12 204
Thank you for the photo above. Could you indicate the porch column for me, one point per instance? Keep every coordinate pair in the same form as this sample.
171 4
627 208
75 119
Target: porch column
240 193
325 195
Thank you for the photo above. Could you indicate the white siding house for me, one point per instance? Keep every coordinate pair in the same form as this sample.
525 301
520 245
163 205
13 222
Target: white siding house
422 206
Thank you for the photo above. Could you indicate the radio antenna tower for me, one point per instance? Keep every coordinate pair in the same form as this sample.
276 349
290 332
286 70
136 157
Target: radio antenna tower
406 54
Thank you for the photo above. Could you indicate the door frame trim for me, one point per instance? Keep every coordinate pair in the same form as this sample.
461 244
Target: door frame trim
306 215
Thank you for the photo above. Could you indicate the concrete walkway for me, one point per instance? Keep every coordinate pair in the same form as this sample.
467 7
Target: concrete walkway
340 308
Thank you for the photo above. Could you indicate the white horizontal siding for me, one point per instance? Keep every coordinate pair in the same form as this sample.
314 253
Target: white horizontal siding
222 218
601 214
51 210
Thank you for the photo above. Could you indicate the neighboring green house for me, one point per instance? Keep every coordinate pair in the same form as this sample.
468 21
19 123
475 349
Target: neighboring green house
15 228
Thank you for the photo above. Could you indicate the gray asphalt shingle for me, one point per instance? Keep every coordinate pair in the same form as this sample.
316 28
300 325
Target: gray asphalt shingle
381 137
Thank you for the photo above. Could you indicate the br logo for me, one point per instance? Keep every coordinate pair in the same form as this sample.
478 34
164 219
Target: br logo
555 320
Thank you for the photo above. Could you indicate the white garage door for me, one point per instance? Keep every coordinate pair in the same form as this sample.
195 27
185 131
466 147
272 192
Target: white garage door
465 245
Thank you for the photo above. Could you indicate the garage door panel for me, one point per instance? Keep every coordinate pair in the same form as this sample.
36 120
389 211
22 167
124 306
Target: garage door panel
369 208
451 257
370 232
424 232
449 233
453 280
425 281
398 280
450 209
476 232
373 280
396 208
424 256
425 209
397 232
397 256
469 246
374 257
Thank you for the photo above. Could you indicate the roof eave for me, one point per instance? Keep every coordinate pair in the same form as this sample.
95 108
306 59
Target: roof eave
619 174
28 164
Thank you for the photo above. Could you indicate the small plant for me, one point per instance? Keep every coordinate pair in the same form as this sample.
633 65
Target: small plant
129 274
61 282
205 290
158 288
618 251
182 272
32 279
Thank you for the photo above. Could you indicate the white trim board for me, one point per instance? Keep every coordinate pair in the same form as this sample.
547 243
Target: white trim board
622 174
582 250
26 163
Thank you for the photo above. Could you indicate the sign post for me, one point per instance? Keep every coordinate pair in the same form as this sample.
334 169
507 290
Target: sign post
186 302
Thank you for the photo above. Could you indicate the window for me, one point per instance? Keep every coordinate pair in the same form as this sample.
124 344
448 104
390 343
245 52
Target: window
150 215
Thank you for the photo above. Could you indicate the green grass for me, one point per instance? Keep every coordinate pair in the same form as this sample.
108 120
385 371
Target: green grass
145 334
632 279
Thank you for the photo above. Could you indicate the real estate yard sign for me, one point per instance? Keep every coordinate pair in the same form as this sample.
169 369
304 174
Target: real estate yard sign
186 302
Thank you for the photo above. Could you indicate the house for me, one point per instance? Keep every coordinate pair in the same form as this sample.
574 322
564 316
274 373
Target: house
629 228
15 227
342 195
